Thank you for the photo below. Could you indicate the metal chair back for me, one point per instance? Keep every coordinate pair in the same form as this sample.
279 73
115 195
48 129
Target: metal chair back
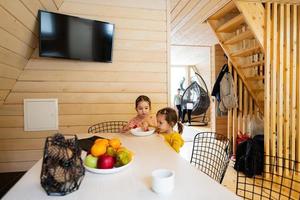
107 127
280 179
211 154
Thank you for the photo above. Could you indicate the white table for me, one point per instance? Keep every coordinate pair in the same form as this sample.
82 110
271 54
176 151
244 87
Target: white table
151 152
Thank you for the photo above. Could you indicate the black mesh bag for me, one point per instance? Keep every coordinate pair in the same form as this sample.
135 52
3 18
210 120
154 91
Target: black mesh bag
62 168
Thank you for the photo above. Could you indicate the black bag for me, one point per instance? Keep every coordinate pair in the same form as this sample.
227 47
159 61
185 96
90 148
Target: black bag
250 156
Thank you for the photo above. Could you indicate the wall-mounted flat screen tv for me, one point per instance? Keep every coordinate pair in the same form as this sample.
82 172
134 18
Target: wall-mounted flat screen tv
64 36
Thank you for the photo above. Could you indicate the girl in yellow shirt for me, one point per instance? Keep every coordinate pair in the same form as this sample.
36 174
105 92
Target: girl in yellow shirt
166 120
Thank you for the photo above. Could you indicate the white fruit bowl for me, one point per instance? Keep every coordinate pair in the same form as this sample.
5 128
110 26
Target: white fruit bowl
140 132
108 171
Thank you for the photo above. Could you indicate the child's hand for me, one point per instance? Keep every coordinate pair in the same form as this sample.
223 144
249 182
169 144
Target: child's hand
145 126
157 130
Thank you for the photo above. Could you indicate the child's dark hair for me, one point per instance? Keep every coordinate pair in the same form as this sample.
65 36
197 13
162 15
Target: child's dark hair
142 98
171 117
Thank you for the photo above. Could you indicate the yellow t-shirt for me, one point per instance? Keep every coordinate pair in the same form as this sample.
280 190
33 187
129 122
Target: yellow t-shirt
175 140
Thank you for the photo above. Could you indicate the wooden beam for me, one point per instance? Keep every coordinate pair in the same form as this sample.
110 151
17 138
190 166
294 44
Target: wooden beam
229 114
294 82
273 68
254 15
280 83
245 110
286 83
298 91
250 106
237 38
240 114
246 52
223 11
232 24
235 119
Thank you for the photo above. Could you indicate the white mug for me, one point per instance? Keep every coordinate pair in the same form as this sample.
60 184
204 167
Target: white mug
163 181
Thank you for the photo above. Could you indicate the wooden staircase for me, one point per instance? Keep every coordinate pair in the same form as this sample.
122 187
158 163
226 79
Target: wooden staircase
239 28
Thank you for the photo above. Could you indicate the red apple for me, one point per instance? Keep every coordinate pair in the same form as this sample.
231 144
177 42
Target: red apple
105 162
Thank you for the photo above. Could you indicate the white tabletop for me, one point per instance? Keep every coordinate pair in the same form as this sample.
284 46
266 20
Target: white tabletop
151 153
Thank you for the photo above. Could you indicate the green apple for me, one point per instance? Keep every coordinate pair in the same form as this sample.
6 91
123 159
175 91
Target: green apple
91 161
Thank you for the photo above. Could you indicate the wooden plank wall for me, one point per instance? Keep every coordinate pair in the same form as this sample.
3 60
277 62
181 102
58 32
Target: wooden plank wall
282 83
18 38
218 60
90 92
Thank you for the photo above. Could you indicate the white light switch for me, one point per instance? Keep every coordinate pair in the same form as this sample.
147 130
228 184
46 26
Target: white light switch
40 114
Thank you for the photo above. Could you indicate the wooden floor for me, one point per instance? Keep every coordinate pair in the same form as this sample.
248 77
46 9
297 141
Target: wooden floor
7 180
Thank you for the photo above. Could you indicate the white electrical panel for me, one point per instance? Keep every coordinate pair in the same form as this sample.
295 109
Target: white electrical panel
40 114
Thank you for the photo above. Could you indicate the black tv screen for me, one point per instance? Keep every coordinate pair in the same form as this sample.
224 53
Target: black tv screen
64 36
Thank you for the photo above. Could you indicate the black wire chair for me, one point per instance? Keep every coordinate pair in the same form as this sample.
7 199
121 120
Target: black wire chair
211 154
280 179
107 127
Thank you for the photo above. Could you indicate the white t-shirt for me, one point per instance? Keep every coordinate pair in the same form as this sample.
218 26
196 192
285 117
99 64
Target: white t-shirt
189 106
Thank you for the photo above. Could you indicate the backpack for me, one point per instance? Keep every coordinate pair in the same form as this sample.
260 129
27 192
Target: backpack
250 156
227 93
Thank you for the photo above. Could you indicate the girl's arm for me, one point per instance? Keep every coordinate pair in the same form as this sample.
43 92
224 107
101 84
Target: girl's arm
148 122
131 124
152 121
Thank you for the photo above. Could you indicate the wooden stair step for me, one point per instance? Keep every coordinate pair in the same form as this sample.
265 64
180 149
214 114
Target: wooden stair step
255 78
232 24
250 65
240 37
246 52
223 11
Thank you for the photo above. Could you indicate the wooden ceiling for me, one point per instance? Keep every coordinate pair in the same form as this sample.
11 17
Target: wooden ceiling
190 34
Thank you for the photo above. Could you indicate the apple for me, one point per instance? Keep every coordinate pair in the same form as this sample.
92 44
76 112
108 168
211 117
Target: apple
106 162
91 161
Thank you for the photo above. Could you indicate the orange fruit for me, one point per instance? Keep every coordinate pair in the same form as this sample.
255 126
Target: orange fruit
98 149
103 141
115 143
